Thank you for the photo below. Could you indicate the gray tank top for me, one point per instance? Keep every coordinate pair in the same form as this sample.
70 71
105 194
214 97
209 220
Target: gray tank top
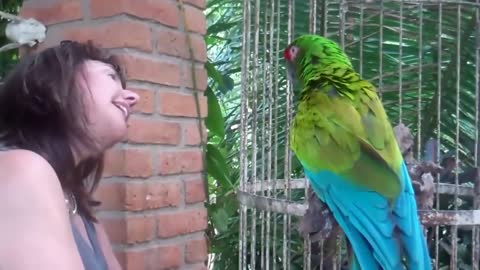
92 257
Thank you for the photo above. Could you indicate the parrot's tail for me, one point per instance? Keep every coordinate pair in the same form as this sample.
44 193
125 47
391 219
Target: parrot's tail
406 218
378 235
353 263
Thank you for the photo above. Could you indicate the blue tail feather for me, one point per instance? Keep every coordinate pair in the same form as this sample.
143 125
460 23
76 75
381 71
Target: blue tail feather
355 265
412 236
370 224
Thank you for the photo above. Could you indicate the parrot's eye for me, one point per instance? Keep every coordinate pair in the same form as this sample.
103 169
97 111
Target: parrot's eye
290 53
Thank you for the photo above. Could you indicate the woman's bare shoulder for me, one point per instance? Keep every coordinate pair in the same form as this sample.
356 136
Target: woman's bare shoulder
19 162
31 197
26 172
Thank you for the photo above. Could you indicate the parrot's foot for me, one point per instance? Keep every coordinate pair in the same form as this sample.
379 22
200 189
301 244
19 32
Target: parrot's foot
318 221
423 182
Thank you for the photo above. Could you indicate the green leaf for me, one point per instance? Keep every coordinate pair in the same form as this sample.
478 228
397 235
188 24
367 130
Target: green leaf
228 83
217 166
220 27
213 73
220 219
214 121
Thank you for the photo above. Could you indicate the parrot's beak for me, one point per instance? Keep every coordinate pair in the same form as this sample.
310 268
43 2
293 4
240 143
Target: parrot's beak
293 80
290 72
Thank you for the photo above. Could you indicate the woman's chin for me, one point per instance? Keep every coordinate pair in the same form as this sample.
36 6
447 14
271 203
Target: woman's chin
116 136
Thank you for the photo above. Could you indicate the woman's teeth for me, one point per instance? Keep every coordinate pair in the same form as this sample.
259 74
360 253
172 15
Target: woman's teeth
124 110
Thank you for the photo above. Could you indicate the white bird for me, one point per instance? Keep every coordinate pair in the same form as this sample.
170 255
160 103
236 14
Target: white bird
22 31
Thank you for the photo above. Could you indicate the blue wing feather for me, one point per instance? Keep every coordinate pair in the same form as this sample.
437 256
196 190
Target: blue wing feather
375 230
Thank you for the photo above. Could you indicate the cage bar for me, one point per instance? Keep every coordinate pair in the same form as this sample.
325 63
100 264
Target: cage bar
416 54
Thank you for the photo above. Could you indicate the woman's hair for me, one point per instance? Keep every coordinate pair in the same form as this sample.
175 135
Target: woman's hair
42 110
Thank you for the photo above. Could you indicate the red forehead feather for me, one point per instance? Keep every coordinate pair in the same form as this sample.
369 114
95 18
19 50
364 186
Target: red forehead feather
286 54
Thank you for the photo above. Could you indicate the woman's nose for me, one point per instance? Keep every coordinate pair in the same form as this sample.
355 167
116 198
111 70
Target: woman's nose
131 97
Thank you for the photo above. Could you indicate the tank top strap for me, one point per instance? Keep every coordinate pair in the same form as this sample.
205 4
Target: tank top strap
92 257
93 237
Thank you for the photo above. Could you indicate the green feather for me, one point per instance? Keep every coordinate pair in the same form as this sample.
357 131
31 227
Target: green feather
340 124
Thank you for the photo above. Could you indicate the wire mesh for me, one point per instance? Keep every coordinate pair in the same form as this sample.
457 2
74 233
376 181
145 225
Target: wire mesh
424 58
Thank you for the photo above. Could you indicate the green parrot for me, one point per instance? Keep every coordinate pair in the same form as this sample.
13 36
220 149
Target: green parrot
342 137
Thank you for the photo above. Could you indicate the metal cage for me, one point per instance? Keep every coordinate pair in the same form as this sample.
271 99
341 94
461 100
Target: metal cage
423 56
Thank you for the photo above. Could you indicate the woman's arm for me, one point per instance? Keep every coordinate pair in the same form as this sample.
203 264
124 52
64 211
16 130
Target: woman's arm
35 231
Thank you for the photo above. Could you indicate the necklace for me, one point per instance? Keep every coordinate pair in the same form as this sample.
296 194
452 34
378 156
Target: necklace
71 202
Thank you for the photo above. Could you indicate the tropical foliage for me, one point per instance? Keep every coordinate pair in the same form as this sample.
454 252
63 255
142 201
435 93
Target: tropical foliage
420 56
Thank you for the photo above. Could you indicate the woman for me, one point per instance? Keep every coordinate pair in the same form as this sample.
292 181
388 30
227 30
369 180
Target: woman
60 110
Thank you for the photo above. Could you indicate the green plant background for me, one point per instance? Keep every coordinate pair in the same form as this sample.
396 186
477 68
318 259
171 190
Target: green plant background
428 63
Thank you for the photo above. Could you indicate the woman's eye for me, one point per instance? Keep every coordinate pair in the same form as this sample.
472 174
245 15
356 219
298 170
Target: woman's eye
113 76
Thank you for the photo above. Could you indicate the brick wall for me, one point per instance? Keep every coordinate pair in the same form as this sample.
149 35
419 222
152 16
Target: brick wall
153 190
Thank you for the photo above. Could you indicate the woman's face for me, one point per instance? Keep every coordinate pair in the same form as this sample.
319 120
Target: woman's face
108 105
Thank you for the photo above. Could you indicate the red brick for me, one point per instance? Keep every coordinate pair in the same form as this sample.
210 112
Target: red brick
128 162
167 257
140 229
115 229
196 251
196 20
152 195
120 255
114 163
135 195
195 191
146 103
180 162
198 3
174 43
191 134
199 267
182 222
111 195
154 258
130 229
51 12
178 104
199 48
119 33
135 259
161 194
149 70
142 130
200 75
164 11
138 163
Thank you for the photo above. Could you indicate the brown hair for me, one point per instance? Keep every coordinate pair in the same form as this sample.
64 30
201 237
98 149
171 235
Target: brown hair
41 110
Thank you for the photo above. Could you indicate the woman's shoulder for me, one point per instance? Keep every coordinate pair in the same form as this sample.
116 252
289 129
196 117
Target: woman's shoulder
21 164
28 173
30 193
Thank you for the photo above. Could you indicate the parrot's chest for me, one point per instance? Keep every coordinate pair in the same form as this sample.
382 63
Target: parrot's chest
315 117
310 134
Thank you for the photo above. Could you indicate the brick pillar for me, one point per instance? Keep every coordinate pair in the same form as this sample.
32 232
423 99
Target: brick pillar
153 189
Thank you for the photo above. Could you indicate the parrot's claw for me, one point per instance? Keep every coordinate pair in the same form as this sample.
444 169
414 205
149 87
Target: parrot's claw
9 46
318 221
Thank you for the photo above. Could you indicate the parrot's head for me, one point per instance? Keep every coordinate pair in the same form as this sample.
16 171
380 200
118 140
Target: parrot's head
313 57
